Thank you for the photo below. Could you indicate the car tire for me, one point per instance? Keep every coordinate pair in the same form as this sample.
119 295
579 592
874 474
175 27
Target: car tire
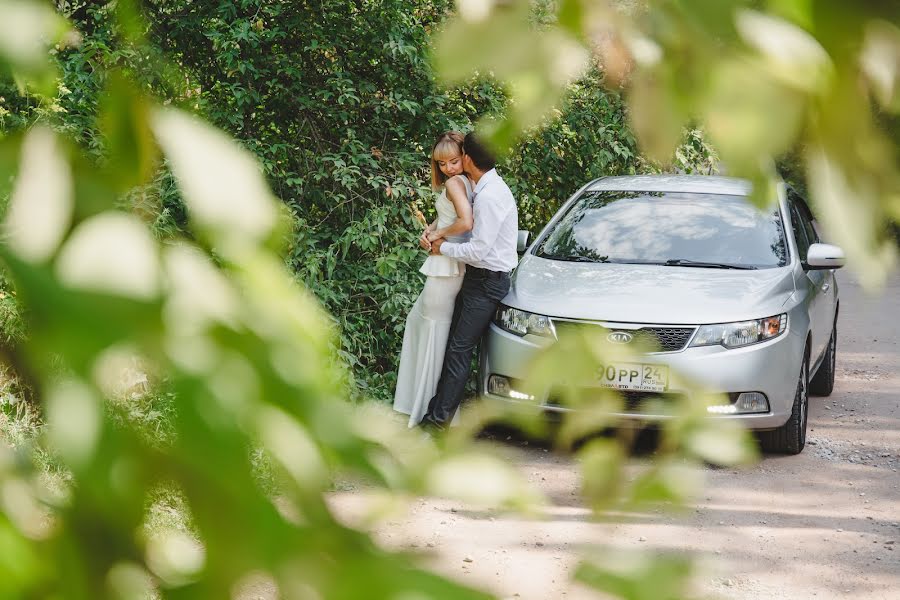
790 438
822 384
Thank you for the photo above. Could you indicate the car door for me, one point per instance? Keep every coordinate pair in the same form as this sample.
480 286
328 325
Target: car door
816 282
828 285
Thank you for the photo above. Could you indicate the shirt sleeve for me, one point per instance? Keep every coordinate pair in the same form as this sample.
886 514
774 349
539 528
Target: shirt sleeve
489 213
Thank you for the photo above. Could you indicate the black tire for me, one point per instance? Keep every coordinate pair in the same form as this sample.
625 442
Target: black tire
822 384
790 438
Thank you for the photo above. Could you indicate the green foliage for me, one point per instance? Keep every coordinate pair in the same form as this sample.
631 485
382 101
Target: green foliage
339 103
12 326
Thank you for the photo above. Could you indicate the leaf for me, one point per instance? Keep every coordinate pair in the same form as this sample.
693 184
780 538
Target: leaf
222 183
793 56
721 442
669 481
42 201
634 575
111 253
570 15
26 31
656 114
880 61
849 209
124 122
479 479
601 464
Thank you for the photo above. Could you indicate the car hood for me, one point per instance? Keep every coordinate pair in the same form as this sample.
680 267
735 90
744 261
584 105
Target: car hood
647 293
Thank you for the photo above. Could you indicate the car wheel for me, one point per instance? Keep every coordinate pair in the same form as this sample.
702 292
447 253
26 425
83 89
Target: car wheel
790 438
823 382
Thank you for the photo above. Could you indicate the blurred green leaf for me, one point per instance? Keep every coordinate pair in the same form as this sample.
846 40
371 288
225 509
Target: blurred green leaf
671 481
124 124
223 186
638 576
602 462
42 201
27 29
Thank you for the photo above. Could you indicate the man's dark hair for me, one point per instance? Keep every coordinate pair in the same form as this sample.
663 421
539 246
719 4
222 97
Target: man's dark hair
482 157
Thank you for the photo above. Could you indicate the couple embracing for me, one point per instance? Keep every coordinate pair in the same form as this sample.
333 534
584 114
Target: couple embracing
472 249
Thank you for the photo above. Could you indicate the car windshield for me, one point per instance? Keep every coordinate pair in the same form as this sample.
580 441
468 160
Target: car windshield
675 229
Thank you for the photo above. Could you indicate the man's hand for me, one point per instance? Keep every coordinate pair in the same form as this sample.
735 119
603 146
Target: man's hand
424 242
436 246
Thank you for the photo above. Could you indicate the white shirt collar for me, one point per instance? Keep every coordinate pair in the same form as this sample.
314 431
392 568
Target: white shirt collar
485 179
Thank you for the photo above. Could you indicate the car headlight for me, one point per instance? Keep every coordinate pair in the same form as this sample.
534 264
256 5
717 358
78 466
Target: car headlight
520 322
742 333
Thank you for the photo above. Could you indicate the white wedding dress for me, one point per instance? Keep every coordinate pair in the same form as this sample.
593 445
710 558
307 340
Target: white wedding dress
428 323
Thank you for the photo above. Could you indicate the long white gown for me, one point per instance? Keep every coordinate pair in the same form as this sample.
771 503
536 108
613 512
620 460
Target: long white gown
428 323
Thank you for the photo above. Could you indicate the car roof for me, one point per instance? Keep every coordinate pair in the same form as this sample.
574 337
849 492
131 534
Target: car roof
704 184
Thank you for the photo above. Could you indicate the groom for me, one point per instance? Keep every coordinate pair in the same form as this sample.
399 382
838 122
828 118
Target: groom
489 256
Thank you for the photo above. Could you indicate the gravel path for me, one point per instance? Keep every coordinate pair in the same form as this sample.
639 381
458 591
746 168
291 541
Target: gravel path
824 524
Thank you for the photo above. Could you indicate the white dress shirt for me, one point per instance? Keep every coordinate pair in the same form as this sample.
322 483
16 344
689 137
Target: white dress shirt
495 233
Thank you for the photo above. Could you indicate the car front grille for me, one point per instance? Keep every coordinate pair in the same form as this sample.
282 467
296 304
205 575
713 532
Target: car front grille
660 339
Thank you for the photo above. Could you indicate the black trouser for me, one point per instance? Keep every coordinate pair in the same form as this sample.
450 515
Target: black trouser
476 303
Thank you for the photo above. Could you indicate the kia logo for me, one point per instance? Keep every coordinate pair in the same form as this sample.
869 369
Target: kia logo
620 337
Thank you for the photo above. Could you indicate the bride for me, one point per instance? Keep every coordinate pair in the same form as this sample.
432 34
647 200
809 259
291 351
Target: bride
428 323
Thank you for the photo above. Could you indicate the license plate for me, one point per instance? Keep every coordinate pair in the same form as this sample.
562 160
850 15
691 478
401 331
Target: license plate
633 376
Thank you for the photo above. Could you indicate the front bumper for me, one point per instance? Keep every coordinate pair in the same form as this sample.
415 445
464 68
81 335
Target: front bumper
770 367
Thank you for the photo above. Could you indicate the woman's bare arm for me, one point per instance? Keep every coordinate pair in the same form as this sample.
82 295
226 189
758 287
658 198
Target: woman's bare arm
456 193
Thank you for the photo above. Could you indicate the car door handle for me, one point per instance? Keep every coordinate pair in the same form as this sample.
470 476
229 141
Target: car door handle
825 287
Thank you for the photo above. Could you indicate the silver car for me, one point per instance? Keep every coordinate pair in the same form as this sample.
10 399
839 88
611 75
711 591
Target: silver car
741 300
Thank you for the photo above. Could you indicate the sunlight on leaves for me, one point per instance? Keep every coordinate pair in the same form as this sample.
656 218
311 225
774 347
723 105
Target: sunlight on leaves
199 294
73 420
292 446
175 557
721 442
223 185
880 60
602 462
793 55
849 213
668 481
42 201
26 31
129 580
480 479
536 68
113 253
632 575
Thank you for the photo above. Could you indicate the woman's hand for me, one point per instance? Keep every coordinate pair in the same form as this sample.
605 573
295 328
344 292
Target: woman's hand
433 235
424 242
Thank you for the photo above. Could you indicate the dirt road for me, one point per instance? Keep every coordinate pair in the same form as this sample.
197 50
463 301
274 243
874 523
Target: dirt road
824 524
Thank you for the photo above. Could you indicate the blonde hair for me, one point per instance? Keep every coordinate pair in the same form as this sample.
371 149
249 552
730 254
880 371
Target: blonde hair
447 145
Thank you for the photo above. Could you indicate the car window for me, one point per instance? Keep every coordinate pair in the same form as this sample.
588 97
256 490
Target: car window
799 231
806 218
666 227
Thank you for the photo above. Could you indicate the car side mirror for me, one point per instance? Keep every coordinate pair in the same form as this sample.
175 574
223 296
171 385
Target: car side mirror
824 256
522 241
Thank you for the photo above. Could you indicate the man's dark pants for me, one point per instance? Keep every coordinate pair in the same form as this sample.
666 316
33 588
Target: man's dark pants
481 292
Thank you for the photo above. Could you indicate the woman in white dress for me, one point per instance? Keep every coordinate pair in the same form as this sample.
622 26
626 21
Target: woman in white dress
428 323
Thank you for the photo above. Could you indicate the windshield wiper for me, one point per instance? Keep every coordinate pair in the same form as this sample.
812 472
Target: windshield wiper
576 258
686 262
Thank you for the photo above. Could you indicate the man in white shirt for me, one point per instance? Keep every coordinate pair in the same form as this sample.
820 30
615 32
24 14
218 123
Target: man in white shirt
489 256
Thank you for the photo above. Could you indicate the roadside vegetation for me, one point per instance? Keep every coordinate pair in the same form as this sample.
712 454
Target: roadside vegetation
209 245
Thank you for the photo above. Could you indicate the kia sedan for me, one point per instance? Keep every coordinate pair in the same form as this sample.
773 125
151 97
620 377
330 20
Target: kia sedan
741 301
